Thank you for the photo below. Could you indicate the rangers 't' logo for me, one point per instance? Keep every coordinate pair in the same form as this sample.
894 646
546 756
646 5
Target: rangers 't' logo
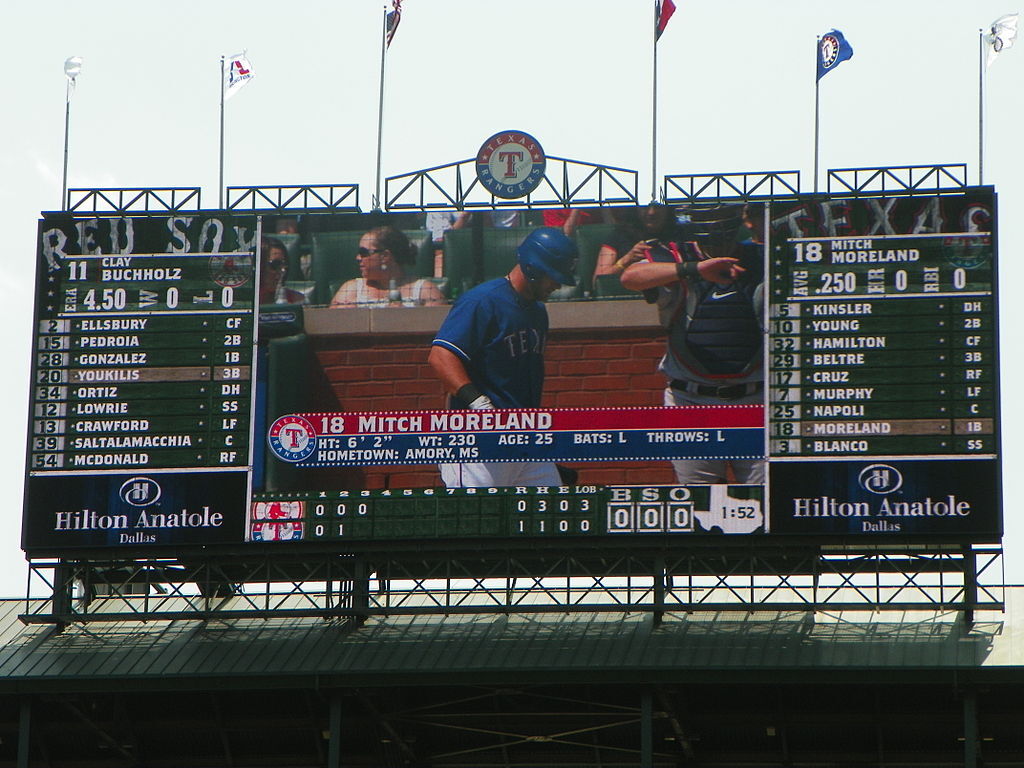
292 438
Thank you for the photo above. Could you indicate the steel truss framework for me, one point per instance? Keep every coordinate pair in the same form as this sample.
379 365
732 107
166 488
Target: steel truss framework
320 197
709 578
566 183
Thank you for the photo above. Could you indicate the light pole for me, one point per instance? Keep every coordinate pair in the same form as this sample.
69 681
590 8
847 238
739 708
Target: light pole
72 67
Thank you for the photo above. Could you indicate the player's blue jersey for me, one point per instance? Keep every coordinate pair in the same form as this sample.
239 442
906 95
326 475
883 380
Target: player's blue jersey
500 337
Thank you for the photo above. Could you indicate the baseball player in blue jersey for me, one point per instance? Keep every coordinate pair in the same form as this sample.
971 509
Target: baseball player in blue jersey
489 352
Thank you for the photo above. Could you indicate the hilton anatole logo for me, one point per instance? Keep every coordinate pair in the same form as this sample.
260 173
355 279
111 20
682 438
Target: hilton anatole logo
885 514
140 527
143 529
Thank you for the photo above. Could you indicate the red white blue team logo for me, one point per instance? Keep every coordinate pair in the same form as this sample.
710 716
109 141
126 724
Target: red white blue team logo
292 438
829 51
510 164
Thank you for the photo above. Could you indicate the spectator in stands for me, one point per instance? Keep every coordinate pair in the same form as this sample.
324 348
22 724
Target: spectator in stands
627 243
568 219
273 271
386 259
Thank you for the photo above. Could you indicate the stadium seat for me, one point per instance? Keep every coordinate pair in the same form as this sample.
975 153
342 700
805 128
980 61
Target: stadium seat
496 258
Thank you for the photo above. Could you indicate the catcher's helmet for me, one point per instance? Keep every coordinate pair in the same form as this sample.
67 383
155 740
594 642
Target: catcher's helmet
715 224
548 252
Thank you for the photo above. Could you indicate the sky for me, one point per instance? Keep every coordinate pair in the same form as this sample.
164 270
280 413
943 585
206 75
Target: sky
736 93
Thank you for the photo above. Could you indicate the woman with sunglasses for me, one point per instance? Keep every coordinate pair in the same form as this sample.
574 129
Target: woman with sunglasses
385 258
273 269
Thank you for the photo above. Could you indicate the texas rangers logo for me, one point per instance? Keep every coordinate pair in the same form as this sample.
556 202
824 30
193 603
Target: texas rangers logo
292 438
829 51
510 164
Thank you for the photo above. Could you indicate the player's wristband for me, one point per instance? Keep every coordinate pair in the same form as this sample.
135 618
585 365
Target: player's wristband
687 270
467 394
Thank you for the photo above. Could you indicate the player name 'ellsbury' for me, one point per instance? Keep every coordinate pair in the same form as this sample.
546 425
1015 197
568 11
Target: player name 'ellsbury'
113 324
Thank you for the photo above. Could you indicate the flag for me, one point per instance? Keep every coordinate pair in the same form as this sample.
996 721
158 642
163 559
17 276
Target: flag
237 72
1001 35
663 10
391 21
832 51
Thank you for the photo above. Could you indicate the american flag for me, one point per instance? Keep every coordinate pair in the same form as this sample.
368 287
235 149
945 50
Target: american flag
391 22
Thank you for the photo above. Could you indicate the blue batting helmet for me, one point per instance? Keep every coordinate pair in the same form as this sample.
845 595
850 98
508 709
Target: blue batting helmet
548 252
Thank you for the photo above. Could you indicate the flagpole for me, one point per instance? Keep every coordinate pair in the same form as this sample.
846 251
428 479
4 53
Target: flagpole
67 126
72 68
380 104
220 181
654 108
817 80
981 107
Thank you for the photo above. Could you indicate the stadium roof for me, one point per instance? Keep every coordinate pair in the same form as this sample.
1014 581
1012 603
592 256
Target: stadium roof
428 648
542 689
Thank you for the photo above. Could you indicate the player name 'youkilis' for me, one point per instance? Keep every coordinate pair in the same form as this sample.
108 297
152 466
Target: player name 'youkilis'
111 324
849 342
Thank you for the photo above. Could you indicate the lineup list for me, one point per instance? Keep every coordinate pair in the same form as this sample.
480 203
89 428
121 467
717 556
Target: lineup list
883 346
143 362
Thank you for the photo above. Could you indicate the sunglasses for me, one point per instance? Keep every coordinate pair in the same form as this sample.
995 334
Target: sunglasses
365 252
275 264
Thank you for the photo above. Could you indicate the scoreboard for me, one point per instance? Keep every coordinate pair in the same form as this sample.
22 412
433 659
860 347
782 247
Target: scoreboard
882 368
153 419
142 381
884 346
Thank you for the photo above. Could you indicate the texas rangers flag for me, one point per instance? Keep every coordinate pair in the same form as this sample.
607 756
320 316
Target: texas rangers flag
391 21
1001 35
663 10
237 72
832 51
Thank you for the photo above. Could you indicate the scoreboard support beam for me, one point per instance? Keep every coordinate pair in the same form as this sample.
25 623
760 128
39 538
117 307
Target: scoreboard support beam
660 579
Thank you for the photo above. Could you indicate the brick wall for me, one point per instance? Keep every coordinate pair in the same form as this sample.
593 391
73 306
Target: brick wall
588 369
